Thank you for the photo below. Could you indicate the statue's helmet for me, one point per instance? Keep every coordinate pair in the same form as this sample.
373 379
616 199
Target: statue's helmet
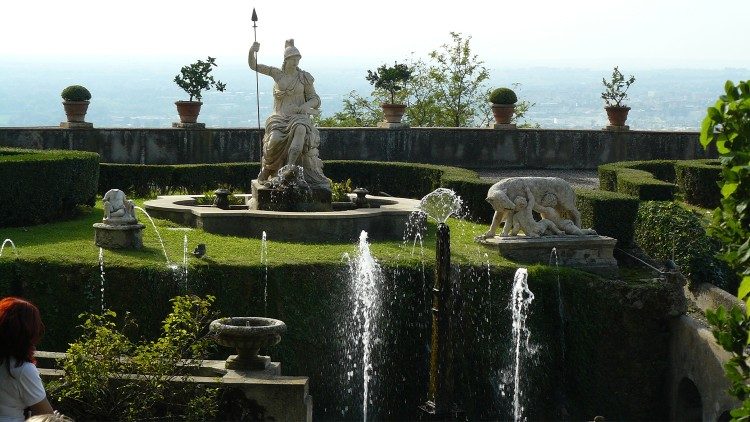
290 50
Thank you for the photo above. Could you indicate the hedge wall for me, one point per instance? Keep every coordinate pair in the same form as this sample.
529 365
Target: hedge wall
597 375
609 213
40 186
698 181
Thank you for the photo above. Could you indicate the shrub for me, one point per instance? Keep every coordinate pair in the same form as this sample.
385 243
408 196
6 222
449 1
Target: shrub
503 96
93 386
28 197
76 93
390 79
609 213
339 190
698 180
194 78
664 229
616 90
648 180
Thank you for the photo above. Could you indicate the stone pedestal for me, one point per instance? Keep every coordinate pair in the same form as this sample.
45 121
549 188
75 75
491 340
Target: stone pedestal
588 253
509 126
76 125
126 236
269 199
179 125
388 125
612 128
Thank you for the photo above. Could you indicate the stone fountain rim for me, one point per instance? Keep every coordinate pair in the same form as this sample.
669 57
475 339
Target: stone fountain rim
222 326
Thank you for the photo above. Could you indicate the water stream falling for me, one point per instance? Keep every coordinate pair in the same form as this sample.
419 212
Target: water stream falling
560 309
264 262
185 262
12 245
101 277
521 298
161 242
365 278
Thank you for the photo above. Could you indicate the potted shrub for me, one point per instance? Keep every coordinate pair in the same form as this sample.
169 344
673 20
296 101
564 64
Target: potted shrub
194 79
503 105
614 94
391 79
76 102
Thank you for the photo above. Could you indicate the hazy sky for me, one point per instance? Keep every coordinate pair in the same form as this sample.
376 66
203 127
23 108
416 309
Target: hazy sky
633 34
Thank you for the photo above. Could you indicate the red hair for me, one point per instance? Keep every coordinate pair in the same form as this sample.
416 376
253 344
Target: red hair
21 330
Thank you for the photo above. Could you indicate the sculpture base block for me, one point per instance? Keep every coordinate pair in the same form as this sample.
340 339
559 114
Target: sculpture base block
180 125
590 253
76 125
109 236
388 125
623 128
509 126
269 199
256 363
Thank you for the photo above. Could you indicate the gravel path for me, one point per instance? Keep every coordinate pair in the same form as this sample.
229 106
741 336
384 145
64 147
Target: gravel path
587 179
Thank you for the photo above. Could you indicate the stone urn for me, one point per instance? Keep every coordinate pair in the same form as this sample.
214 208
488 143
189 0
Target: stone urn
617 115
188 110
503 113
247 335
392 113
75 111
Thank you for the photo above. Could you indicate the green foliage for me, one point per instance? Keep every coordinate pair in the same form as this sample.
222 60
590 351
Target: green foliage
609 213
665 230
357 112
195 78
731 328
648 180
340 189
504 96
390 78
698 180
727 127
75 93
96 383
616 88
26 198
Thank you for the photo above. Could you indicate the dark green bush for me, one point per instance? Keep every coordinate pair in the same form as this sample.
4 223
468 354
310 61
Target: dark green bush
75 93
41 186
665 228
698 180
609 213
648 180
503 96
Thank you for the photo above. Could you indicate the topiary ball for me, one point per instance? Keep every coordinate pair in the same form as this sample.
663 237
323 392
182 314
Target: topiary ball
76 93
504 96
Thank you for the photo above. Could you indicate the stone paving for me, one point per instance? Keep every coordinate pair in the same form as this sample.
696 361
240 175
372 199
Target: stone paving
587 179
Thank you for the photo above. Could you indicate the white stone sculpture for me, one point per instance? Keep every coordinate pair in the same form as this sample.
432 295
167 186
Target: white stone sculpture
118 210
290 136
562 202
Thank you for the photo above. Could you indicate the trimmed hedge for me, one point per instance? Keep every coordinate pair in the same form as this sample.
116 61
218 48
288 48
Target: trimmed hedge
698 181
609 213
665 228
40 186
648 180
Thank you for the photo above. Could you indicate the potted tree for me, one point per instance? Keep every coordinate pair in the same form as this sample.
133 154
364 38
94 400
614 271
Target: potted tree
390 79
614 94
76 103
194 79
503 105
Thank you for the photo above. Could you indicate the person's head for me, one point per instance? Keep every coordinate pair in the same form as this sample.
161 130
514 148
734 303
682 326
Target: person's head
520 202
549 200
21 329
292 56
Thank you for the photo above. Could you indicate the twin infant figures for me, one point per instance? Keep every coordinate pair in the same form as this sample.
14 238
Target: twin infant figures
556 203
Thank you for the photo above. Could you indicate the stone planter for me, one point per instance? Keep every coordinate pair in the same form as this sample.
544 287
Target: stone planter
503 113
76 110
188 110
248 335
392 113
617 115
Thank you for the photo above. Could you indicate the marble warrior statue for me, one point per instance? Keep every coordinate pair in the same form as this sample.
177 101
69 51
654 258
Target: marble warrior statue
290 137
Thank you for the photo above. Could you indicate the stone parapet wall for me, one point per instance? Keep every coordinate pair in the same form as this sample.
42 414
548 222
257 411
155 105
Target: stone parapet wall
479 148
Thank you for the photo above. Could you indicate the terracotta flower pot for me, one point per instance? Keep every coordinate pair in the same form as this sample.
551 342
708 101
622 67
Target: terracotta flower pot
188 110
393 112
76 110
617 115
503 113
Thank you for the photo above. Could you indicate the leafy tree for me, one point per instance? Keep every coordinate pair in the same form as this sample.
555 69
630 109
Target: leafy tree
390 79
727 127
195 78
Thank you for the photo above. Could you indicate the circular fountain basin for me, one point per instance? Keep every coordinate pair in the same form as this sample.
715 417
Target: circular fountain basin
247 335
384 220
